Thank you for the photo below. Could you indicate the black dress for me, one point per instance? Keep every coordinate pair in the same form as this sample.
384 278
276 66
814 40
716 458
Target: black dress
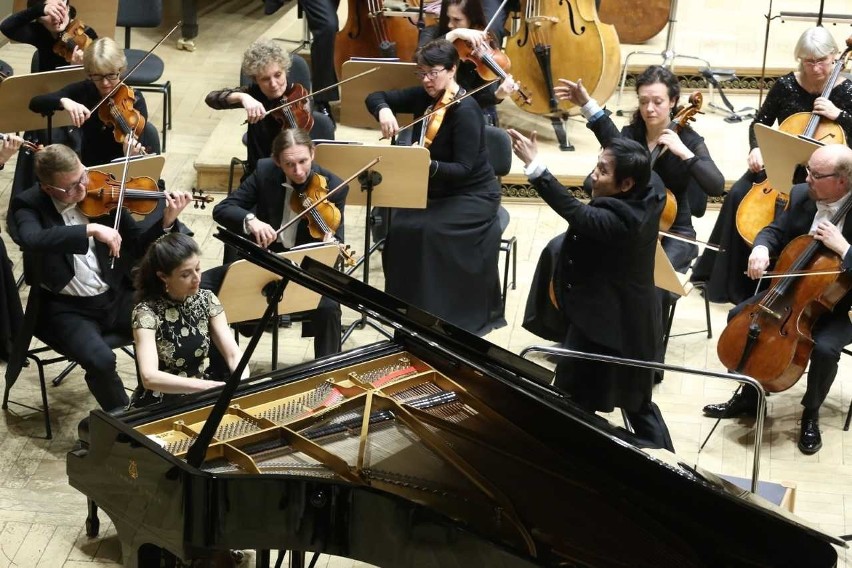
724 272
443 259
98 143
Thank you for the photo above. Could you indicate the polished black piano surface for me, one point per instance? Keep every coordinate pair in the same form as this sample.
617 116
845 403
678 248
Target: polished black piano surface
433 449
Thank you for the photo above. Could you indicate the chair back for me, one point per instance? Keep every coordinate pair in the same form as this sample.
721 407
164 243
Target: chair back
138 14
499 146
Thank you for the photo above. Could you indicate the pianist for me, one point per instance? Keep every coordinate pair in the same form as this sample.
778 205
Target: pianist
174 322
604 281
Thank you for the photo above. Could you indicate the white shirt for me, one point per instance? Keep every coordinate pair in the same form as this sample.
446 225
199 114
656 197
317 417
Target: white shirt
825 211
88 277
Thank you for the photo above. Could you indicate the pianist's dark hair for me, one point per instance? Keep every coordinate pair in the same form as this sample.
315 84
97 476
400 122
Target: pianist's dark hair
164 255
632 160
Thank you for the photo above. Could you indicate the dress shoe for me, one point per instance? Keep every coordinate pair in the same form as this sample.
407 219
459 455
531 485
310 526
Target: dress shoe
810 440
737 406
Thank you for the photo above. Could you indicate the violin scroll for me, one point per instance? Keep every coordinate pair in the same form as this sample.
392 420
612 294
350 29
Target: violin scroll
200 200
73 38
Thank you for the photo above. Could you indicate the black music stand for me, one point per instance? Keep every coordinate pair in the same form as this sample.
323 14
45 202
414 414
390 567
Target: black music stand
399 180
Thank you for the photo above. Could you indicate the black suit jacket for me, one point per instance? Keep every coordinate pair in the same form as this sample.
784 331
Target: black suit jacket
44 238
262 194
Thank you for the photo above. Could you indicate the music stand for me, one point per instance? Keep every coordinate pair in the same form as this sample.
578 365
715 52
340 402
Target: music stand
17 91
782 152
147 166
390 75
245 283
399 180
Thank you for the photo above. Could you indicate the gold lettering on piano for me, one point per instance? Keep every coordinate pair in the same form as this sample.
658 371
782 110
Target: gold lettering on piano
132 470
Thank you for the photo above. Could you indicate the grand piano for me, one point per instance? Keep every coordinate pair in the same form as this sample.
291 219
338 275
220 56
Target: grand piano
433 449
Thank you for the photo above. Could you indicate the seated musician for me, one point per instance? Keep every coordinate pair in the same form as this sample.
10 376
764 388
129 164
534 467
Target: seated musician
174 322
812 204
465 20
41 24
606 274
798 91
262 204
267 65
104 62
443 259
84 295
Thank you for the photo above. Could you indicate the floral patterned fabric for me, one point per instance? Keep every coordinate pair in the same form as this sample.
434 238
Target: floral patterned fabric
182 331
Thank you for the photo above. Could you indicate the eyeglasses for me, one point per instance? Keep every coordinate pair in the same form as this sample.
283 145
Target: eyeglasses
82 182
818 176
107 76
432 74
815 62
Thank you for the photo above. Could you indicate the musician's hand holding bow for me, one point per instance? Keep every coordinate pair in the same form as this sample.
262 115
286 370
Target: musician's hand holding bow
526 149
262 233
9 147
254 109
176 201
388 123
107 235
78 113
829 235
571 91
758 262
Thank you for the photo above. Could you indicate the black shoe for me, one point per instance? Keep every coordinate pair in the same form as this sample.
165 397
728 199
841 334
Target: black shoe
810 440
737 406
272 6
324 108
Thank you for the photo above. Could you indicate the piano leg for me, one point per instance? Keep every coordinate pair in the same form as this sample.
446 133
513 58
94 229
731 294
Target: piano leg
93 524
262 559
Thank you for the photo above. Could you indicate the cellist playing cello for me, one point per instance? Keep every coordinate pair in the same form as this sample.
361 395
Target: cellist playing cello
812 204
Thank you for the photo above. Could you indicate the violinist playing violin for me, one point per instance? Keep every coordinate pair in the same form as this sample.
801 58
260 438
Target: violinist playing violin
84 294
443 259
812 205
262 204
267 65
104 62
795 92
464 20
42 25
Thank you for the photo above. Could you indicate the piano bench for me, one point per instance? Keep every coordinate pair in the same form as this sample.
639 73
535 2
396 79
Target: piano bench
782 493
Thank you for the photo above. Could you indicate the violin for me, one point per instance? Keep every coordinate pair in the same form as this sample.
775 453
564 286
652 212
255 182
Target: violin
436 113
121 115
758 207
491 63
74 37
323 216
294 109
681 119
141 195
770 339
26 143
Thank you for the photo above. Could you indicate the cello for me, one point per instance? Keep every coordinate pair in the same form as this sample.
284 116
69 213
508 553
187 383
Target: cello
770 339
563 38
369 33
758 207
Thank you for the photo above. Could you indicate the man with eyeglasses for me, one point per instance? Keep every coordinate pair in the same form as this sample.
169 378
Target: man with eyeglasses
104 62
812 206
84 266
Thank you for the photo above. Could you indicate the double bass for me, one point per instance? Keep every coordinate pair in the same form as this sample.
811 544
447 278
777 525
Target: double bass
758 207
636 21
770 339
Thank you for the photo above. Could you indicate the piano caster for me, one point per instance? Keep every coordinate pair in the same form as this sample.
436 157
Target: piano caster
93 524
186 44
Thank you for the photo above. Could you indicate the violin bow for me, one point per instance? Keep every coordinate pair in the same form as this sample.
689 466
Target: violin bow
314 205
135 67
800 273
448 105
686 239
496 13
121 188
312 93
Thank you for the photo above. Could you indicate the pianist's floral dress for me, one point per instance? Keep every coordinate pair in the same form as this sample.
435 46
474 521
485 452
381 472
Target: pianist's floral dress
182 335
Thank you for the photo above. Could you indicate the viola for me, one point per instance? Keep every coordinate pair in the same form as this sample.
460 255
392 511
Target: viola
770 339
294 109
758 207
141 195
323 216
491 64
436 113
121 115
681 119
74 37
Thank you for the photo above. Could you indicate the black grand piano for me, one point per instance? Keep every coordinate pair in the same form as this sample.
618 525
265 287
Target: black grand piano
434 449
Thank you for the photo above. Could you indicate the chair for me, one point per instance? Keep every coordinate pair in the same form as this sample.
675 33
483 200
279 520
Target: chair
323 129
499 146
145 14
45 355
709 329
